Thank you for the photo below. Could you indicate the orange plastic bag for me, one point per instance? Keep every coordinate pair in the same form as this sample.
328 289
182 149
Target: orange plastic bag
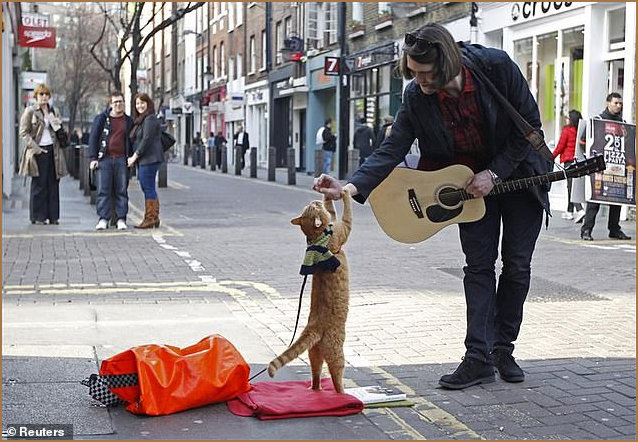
171 379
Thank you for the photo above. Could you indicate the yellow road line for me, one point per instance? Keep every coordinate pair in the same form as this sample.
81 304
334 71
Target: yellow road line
426 411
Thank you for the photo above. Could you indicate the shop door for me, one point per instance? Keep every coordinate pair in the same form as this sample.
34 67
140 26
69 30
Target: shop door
281 130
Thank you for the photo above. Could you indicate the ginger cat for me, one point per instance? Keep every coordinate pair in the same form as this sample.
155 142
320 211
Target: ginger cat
325 332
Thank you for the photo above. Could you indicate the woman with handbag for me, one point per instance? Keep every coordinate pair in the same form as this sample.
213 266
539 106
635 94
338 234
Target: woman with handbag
42 158
146 137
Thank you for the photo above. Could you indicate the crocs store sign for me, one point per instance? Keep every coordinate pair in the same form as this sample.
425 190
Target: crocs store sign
522 11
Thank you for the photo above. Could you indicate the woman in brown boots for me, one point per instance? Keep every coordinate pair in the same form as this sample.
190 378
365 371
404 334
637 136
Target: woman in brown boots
146 139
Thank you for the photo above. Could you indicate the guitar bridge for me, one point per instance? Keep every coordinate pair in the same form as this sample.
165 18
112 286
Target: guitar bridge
414 203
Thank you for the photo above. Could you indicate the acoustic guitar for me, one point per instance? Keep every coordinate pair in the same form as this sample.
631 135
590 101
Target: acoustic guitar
412 205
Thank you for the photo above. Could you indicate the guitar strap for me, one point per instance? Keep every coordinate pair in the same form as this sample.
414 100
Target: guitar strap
532 135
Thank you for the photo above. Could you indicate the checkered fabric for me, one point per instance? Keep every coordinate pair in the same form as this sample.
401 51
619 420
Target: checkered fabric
100 387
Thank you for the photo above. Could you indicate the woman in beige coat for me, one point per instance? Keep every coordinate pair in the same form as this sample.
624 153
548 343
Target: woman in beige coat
42 158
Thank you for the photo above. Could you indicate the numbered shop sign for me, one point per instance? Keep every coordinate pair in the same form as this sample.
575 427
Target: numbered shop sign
617 142
331 66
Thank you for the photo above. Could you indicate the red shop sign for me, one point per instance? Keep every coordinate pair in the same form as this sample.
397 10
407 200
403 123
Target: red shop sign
33 37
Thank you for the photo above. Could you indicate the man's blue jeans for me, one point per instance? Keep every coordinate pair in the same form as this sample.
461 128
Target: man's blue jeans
327 161
112 182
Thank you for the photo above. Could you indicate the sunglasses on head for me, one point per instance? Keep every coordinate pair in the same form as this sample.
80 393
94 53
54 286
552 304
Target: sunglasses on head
418 43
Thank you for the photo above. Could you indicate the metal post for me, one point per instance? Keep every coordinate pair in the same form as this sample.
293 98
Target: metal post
253 162
353 162
344 94
162 173
224 158
81 172
318 162
272 156
202 157
238 155
292 171
213 157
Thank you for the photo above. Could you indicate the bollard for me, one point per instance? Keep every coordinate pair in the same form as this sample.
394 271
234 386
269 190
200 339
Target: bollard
272 157
186 154
253 162
162 173
202 158
353 162
76 160
224 158
213 158
318 162
238 154
194 155
292 170
81 170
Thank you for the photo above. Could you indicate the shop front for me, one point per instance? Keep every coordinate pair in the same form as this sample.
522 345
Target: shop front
322 104
375 91
257 119
571 53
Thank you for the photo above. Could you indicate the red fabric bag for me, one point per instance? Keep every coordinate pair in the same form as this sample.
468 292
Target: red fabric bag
288 399
172 379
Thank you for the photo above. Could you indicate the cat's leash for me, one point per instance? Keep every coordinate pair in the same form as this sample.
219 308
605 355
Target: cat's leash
303 285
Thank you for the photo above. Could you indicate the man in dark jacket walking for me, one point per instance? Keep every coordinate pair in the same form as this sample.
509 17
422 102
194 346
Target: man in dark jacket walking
613 111
109 148
456 124
363 140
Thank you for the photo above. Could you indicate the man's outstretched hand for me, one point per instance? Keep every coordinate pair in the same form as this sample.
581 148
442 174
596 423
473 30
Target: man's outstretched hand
328 185
331 188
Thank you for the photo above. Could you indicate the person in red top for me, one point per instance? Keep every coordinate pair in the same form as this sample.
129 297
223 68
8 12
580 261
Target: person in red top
566 148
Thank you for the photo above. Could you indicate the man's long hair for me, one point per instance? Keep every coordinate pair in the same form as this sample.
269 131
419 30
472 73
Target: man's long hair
441 51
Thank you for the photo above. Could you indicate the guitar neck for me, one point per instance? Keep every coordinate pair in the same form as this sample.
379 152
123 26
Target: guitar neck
520 184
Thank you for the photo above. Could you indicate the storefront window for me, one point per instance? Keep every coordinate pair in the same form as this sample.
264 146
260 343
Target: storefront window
571 87
523 57
616 29
546 47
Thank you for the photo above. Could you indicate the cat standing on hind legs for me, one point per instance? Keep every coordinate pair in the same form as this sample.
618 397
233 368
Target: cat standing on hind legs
325 333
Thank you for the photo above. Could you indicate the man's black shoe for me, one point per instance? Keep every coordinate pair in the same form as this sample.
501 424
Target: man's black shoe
469 372
507 367
586 235
619 234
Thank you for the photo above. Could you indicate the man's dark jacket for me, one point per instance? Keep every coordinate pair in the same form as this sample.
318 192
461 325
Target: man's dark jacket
98 134
419 117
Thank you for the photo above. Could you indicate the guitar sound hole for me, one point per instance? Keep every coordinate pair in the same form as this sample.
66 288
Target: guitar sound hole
449 197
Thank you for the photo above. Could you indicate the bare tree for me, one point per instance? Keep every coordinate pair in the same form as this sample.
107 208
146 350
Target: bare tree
74 76
134 35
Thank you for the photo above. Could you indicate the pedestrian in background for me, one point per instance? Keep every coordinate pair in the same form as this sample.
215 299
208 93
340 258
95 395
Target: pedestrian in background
241 142
109 148
363 140
458 121
198 154
75 138
566 148
613 111
384 130
220 140
329 145
148 154
42 158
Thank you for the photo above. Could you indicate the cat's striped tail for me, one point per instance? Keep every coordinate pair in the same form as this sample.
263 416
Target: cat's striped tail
307 340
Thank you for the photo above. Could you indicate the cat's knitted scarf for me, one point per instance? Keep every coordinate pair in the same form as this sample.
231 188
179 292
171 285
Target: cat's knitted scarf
318 256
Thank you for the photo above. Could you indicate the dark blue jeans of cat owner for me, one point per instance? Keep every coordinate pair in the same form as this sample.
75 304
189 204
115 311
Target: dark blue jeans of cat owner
147 174
495 312
112 182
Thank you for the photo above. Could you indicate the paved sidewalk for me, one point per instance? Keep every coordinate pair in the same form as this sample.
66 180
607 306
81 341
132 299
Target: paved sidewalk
66 308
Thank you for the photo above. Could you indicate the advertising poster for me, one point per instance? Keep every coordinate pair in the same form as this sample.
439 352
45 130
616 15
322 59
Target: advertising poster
617 142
